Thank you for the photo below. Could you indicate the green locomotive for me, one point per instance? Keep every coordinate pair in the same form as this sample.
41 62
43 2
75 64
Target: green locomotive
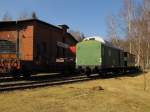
97 55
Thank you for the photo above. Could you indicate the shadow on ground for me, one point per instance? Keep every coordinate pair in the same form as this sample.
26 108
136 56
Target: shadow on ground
128 74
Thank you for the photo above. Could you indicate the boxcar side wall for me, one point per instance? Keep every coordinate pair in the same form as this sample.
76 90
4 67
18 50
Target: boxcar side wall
8 33
25 34
26 41
110 57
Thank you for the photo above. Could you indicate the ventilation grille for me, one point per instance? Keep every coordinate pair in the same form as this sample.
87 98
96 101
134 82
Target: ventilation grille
7 46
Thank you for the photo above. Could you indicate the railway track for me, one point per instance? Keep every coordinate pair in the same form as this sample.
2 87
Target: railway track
9 84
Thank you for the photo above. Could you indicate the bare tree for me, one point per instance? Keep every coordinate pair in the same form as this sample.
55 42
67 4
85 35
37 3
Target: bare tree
77 35
23 15
34 15
6 17
133 26
112 30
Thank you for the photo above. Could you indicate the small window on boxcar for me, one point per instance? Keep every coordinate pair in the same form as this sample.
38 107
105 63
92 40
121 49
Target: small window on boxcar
7 46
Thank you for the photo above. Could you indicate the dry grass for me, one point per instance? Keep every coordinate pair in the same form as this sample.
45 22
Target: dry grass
124 94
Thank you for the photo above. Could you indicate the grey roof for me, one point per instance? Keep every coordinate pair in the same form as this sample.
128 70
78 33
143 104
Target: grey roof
100 39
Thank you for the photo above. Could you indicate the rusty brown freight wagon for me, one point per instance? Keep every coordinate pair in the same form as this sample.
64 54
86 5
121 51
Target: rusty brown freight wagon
30 45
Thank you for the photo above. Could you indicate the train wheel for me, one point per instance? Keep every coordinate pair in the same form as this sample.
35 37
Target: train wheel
96 70
26 74
102 74
88 71
15 73
82 71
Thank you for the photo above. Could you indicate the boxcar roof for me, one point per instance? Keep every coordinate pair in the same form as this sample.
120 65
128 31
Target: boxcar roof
3 23
28 20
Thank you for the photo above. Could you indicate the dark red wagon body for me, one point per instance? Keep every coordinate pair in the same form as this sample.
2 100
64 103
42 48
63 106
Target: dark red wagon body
29 45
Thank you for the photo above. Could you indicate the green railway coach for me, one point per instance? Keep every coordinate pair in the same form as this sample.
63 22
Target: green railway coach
97 55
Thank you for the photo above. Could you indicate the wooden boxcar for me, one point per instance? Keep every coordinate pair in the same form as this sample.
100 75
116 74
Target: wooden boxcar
30 45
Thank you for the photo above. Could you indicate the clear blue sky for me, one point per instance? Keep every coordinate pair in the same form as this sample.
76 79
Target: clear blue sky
87 16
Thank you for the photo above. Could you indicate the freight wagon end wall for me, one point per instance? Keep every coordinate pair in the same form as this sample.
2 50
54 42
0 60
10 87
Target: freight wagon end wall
70 40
